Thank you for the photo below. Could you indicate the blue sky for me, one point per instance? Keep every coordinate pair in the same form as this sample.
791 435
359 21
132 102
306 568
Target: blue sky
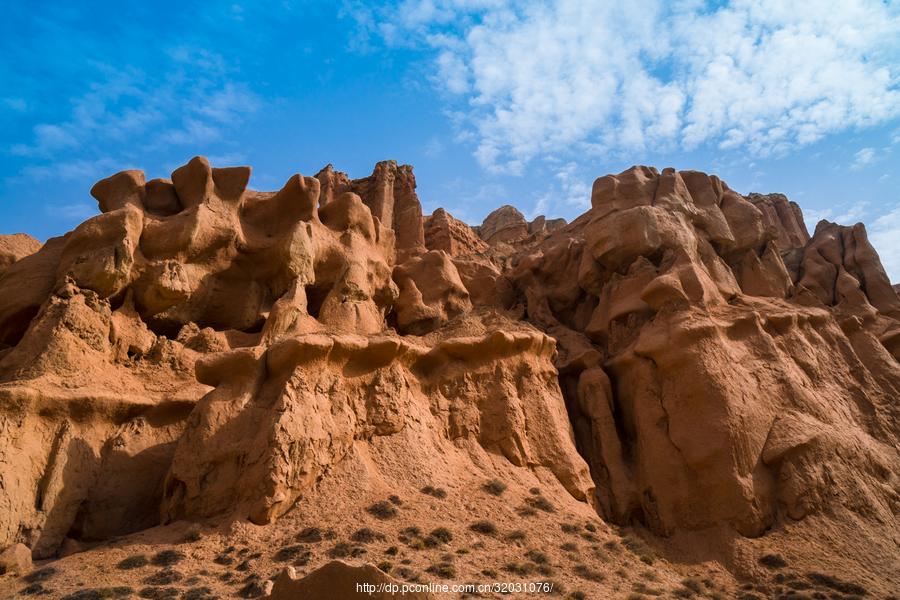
493 102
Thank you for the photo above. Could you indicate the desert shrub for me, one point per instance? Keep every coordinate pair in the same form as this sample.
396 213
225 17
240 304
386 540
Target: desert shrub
494 487
692 584
845 587
167 557
199 593
639 549
310 535
366 535
590 527
585 572
518 568
577 596
164 577
343 550
158 593
570 527
407 573
526 511
772 561
642 588
439 493
483 527
34 589
443 534
289 553
537 557
392 551
386 566
444 570
244 566
252 590
382 510
395 500
540 503
40 575
133 562
569 547
192 536
516 535
489 573
100 593
223 559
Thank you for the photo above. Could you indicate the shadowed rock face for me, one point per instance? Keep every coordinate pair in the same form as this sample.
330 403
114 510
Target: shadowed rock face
680 356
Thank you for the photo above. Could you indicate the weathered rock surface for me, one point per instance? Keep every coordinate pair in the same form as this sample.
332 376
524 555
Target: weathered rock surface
16 247
680 358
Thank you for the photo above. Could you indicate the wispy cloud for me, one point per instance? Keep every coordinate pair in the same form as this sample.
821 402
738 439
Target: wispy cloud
597 77
862 158
884 233
187 102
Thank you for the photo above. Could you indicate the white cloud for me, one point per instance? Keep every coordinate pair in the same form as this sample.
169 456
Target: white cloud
592 76
884 233
862 158
571 188
190 103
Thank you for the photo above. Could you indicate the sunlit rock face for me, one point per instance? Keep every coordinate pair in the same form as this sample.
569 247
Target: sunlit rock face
679 358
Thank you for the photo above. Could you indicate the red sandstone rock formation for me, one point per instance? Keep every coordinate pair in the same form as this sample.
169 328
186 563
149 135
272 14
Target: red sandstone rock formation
679 359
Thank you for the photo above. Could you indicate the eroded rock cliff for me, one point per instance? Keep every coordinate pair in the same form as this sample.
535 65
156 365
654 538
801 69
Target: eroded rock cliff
680 359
